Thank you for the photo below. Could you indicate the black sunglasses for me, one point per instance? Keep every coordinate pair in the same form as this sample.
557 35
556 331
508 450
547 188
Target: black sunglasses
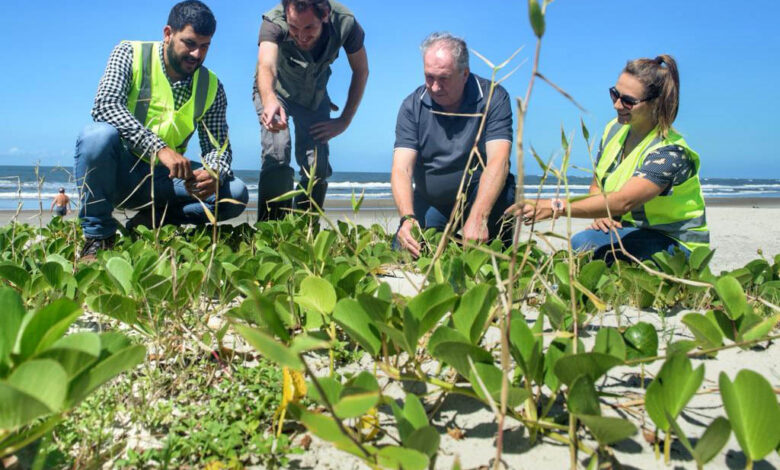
628 101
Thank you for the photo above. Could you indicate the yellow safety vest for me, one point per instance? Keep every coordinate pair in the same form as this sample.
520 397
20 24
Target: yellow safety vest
151 98
681 213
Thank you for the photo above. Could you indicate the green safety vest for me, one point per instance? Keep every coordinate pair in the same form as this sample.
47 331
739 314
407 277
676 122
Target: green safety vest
151 98
299 77
679 214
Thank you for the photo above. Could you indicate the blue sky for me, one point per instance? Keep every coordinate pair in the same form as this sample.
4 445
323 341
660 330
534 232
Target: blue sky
54 54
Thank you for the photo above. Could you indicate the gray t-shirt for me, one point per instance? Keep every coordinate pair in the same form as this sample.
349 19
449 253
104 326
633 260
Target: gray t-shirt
443 143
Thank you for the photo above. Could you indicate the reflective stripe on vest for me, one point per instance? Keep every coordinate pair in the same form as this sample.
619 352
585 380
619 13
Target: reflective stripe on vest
679 214
151 98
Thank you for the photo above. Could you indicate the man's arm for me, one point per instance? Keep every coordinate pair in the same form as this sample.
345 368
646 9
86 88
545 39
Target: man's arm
490 185
274 117
326 130
401 185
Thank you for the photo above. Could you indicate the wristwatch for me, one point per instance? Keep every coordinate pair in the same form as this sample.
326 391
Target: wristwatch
406 217
557 205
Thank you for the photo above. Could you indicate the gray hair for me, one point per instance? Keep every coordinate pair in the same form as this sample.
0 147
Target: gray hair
456 46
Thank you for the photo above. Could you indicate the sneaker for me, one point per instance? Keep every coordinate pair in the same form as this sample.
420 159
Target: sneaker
93 245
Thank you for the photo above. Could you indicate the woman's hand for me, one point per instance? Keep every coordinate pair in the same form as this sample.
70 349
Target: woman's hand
605 224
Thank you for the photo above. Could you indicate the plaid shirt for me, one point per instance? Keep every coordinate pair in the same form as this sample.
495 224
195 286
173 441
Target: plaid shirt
111 107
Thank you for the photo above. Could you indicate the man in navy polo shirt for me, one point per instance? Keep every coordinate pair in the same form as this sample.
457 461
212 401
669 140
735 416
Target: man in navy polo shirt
432 148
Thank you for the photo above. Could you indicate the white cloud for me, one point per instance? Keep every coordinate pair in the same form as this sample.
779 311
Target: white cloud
13 150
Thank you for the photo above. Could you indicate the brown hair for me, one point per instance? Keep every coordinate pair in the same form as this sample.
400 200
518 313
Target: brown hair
662 81
320 7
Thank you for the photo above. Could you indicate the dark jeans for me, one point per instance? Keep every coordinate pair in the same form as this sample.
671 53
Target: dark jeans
641 243
108 176
436 216
276 174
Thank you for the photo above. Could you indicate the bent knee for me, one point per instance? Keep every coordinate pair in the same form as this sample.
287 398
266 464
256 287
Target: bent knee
583 241
95 138
239 195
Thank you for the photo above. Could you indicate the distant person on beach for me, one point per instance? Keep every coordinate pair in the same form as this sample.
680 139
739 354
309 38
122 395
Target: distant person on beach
433 148
650 176
61 203
299 39
151 99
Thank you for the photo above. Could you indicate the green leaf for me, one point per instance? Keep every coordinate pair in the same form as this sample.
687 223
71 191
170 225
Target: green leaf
472 311
583 399
536 17
700 258
13 312
585 132
43 379
593 365
325 428
53 273
74 352
672 389
322 244
47 325
18 408
591 274
641 341
331 388
358 324
556 310
359 202
712 441
288 195
610 341
425 440
733 297
116 362
456 354
430 305
116 306
265 309
705 330
525 347
491 377
608 430
14 274
360 394
758 329
414 412
753 411
398 458
122 272
317 294
269 347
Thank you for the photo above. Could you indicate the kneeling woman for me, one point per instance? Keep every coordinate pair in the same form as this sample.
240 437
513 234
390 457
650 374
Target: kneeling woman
652 197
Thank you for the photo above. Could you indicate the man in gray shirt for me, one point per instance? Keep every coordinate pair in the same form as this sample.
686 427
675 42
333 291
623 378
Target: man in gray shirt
436 129
299 39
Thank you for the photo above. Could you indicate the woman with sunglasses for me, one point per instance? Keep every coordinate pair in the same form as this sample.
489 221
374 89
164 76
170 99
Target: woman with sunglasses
646 189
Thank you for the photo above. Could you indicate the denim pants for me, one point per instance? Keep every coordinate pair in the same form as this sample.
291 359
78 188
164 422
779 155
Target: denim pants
641 243
109 176
436 216
276 174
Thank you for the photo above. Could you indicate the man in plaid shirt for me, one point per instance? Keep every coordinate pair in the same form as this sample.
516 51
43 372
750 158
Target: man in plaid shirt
113 154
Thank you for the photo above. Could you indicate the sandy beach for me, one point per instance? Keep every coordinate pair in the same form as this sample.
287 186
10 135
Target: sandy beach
741 229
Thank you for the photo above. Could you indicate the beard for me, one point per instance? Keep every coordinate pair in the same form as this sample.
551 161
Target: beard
177 62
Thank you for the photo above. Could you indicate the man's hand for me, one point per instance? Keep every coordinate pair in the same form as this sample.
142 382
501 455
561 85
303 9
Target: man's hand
201 185
325 130
605 224
178 165
406 239
531 211
274 117
475 229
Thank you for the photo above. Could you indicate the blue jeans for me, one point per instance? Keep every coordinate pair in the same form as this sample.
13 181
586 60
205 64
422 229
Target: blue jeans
437 216
642 243
108 176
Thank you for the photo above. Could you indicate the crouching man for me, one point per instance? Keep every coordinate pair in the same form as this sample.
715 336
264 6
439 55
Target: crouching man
432 148
152 97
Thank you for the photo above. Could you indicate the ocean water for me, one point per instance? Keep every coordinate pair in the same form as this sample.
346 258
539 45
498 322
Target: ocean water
21 184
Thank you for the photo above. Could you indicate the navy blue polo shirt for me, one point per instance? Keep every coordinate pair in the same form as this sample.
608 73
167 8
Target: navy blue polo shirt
443 143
